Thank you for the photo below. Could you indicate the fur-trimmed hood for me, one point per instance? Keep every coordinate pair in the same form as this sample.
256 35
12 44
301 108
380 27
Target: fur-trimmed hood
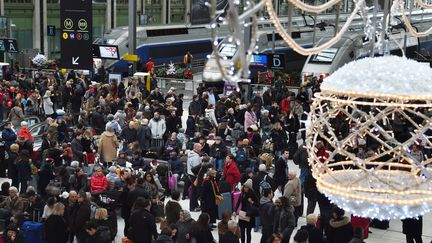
339 223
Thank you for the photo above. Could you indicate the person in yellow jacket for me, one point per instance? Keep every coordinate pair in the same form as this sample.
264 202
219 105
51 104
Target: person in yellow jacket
187 60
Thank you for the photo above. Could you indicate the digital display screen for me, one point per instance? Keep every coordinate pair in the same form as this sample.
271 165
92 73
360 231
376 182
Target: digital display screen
109 52
259 60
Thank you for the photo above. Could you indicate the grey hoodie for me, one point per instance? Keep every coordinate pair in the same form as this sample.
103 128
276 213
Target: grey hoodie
194 159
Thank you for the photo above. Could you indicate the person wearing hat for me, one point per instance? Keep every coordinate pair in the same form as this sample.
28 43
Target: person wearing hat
48 105
14 235
184 227
208 196
250 204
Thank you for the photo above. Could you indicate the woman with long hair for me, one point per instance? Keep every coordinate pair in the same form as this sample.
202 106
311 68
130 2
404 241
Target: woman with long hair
208 192
55 226
250 204
201 231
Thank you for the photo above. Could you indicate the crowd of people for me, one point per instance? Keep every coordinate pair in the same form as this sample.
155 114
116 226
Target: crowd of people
115 150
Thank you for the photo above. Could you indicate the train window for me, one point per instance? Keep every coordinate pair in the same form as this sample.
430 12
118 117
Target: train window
167 51
325 56
164 32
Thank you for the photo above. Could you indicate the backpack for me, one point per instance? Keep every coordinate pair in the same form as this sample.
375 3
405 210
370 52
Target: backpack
264 184
104 234
241 155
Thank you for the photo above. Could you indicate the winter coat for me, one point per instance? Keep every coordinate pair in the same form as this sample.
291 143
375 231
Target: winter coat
231 174
79 217
412 227
77 150
194 107
164 239
120 116
16 116
115 126
48 106
208 199
177 166
210 116
249 119
157 128
284 223
251 210
183 229
172 212
279 138
9 137
229 237
79 183
108 145
293 188
55 228
25 133
258 178
24 170
142 226
190 126
144 136
267 213
16 205
129 135
340 231
315 234
280 175
98 183
114 178
193 160
12 167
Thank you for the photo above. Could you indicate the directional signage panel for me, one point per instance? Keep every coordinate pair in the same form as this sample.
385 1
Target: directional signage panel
276 61
51 31
11 45
76 34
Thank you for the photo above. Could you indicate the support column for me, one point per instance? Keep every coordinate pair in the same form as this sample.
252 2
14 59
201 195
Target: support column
108 16
163 11
2 11
44 30
132 29
115 14
36 25
187 12
168 19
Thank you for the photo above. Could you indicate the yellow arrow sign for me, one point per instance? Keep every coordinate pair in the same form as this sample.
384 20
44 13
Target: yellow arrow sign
130 57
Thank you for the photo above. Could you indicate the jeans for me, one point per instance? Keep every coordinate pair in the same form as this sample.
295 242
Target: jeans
219 165
257 224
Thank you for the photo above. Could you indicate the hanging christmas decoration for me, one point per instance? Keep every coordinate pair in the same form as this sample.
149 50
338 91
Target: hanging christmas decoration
374 95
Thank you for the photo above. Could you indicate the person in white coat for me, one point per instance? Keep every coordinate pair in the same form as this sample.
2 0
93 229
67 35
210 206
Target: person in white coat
210 115
48 105
157 127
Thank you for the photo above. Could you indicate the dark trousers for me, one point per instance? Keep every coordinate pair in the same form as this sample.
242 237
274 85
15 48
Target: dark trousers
23 186
245 234
193 197
266 234
412 239
311 205
126 227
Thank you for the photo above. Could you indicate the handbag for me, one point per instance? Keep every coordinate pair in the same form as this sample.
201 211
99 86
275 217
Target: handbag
218 198
171 181
242 216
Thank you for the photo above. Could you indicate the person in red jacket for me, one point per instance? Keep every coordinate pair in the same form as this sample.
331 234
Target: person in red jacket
98 181
285 105
231 171
25 132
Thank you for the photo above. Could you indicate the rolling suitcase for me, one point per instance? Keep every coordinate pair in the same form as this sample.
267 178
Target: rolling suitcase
33 232
235 198
362 223
226 205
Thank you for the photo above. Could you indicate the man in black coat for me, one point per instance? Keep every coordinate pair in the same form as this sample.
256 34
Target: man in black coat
142 222
173 208
77 148
229 236
79 216
259 177
97 120
195 106
267 214
281 170
191 125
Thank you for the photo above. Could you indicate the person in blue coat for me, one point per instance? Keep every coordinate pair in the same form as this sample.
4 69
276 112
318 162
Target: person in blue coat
9 136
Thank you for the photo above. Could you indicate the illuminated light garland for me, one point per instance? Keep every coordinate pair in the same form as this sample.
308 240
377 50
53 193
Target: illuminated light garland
312 8
391 183
407 22
423 4
313 50
235 26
